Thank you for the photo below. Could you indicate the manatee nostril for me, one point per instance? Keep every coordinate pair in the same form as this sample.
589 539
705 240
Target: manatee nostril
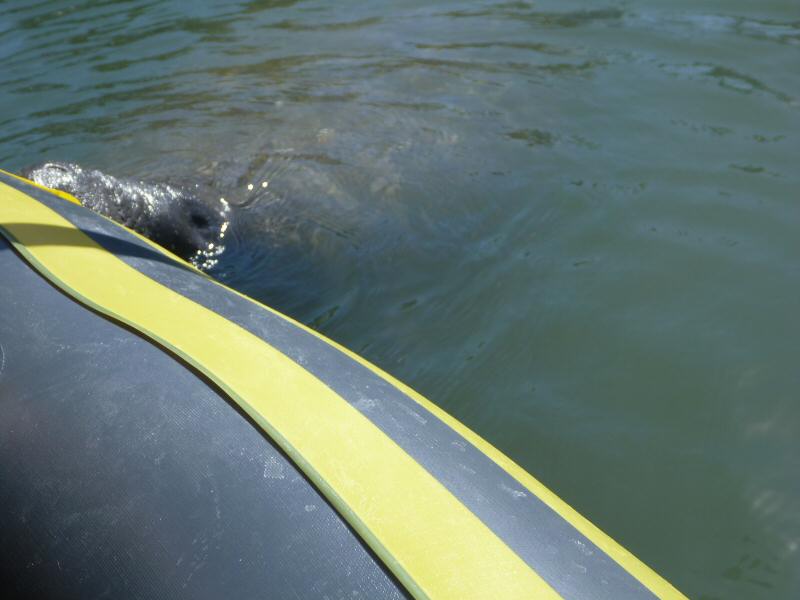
200 220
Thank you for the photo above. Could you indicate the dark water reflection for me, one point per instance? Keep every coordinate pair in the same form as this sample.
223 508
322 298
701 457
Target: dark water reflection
573 225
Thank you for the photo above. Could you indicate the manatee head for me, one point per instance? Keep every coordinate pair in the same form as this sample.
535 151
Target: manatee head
183 220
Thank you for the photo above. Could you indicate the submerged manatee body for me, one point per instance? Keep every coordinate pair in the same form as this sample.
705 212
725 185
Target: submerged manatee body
181 221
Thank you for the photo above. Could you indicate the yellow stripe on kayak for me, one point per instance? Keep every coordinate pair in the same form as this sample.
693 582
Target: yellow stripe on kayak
640 571
59 193
434 545
649 578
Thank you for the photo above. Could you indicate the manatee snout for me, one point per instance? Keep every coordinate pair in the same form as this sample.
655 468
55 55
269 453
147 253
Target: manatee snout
185 221
189 227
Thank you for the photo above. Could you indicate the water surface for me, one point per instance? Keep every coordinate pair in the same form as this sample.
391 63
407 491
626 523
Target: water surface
574 225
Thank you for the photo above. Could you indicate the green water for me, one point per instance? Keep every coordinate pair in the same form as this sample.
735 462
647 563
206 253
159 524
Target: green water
574 225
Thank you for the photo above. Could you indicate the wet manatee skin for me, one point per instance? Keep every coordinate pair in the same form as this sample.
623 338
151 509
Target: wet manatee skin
188 223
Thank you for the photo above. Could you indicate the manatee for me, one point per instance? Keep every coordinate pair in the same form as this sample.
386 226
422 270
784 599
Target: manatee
186 222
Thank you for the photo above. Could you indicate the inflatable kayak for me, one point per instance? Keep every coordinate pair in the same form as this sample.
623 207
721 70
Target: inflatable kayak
164 436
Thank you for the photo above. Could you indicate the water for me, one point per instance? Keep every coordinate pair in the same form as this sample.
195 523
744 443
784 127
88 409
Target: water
574 225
